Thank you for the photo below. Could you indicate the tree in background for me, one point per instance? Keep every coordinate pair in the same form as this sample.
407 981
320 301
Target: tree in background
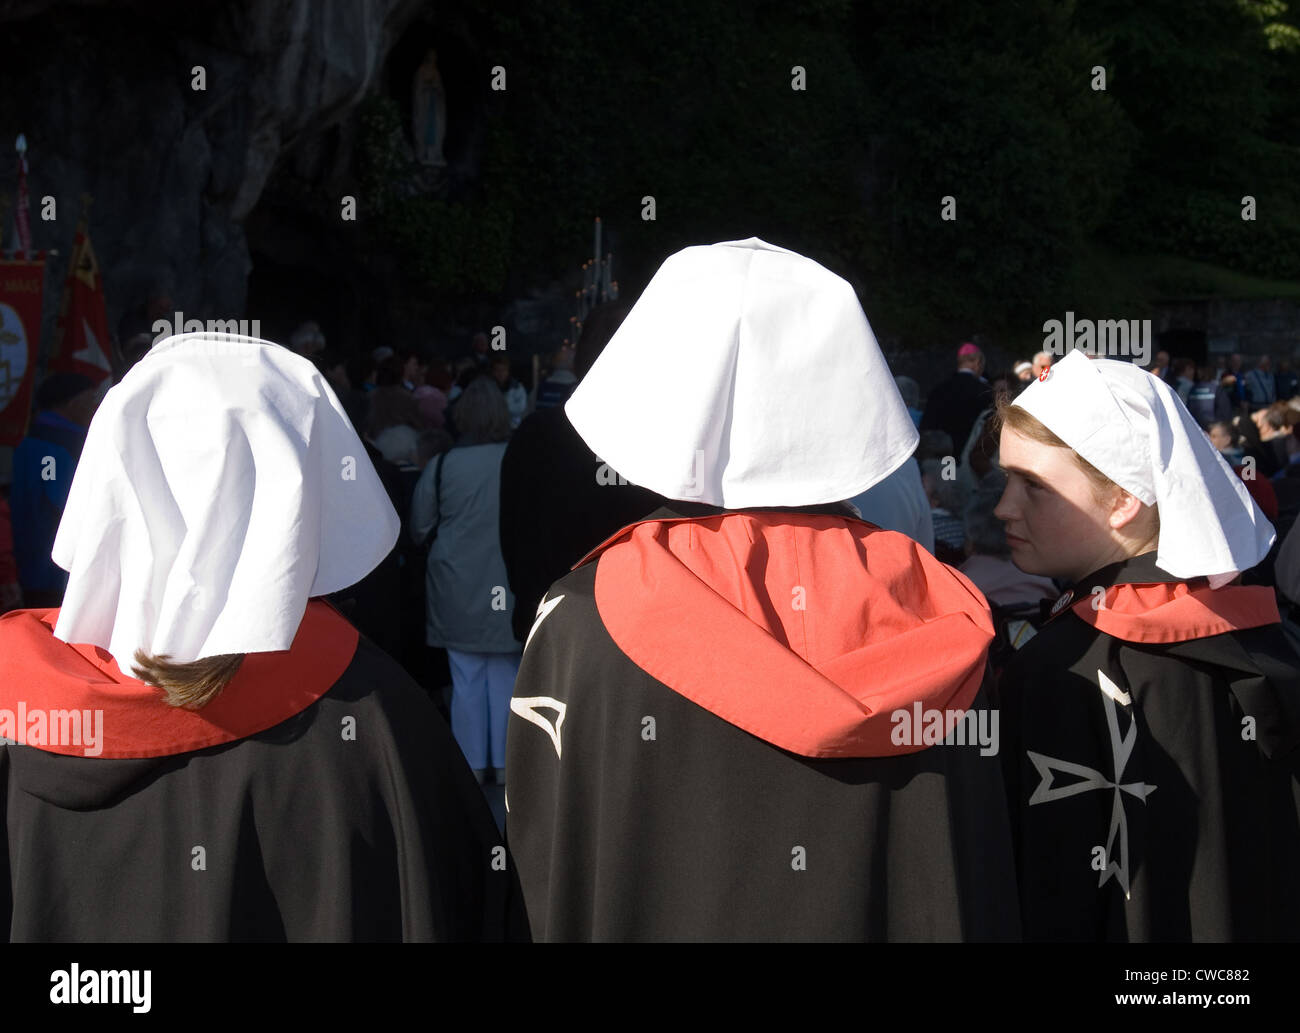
992 105
1217 110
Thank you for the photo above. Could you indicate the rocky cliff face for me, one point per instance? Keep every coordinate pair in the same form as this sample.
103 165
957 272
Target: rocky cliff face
105 95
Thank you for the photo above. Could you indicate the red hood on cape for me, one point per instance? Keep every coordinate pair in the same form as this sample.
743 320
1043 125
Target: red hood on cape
43 675
807 630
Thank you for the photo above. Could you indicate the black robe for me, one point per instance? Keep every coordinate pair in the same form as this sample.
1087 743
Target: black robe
556 504
954 405
695 756
354 818
1190 701
379 604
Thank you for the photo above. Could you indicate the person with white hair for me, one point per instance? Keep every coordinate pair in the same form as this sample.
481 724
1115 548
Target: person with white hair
198 746
1153 721
751 715
307 339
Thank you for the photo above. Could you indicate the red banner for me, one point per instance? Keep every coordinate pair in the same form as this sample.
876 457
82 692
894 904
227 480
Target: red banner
82 343
21 286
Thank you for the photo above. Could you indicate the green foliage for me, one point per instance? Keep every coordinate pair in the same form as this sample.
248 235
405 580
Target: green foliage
1199 81
992 106
1275 18
380 160
684 102
905 103
1207 226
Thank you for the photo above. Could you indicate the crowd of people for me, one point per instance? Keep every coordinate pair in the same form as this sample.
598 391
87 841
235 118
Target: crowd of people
797 655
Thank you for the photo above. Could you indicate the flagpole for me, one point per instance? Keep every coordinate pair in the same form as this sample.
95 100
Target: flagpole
22 217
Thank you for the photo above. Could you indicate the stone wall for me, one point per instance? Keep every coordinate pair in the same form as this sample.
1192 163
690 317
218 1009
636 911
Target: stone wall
104 96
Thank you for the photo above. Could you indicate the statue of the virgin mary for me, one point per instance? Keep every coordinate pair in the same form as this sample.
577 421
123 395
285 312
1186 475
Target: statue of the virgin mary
429 112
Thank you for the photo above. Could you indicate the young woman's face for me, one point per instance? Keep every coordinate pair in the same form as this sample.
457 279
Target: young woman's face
1053 522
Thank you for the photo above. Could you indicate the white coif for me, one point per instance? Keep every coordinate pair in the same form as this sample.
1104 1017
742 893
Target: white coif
745 376
1132 427
221 486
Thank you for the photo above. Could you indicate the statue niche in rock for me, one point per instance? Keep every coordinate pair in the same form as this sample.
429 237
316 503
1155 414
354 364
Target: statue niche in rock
429 112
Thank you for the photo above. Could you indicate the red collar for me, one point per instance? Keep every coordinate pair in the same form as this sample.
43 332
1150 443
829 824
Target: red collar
1173 611
45 676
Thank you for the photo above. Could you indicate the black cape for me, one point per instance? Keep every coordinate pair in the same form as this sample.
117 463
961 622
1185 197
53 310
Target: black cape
748 789
298 832
1189 700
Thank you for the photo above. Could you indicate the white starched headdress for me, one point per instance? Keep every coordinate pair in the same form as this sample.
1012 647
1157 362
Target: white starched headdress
221 486
745 376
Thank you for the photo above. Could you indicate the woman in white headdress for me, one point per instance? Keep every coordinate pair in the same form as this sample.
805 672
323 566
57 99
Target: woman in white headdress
201 747
1152 722
729 720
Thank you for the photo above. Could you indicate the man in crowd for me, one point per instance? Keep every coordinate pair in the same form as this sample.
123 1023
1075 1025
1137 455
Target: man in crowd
956 402
1260 384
